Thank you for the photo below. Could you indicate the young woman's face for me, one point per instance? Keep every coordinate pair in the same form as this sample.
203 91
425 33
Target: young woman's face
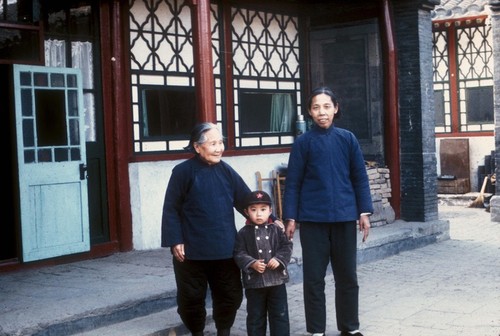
322 110
258 213
211 150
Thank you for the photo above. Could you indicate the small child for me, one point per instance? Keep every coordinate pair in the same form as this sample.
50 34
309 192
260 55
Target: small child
262 251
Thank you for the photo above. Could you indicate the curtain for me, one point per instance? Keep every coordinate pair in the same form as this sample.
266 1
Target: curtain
81 58
55 53
281 112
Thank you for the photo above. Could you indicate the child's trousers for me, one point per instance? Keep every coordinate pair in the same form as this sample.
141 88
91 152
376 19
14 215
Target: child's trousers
267 303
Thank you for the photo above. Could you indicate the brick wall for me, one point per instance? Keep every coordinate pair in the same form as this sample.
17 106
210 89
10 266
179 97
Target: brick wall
380 188
418 164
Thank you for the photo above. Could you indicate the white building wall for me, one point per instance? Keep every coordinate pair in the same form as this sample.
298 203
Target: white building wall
148 183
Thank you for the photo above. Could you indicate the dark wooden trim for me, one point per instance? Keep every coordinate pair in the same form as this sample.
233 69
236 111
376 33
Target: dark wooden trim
117 114
453 80
97 251
391 117
122 136
228 75
107 106
203 65
465 134
227 153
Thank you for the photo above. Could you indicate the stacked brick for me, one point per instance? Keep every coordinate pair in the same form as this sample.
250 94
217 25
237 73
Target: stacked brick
380 187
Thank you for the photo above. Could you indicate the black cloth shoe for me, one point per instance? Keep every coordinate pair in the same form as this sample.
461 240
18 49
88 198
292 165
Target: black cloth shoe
346 333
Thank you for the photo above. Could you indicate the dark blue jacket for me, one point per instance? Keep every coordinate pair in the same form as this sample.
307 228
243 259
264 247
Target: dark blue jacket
262 242
198 210
326 180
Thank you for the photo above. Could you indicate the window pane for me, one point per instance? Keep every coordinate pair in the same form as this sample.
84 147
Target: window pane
266 112
51 118
439 107
19 44
168 111
479 104
26 11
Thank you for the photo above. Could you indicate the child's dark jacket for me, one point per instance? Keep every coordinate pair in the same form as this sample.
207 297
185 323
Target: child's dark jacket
262 242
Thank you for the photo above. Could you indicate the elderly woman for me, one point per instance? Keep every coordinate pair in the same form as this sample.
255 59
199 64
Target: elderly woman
198 225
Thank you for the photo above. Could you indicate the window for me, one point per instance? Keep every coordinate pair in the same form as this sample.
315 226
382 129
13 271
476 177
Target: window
266 112
263 83
266 77
20 32
168 112
463 75
69 42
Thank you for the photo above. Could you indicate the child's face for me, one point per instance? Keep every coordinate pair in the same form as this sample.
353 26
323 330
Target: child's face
258 213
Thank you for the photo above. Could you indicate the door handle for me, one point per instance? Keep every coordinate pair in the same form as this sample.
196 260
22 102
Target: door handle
83 171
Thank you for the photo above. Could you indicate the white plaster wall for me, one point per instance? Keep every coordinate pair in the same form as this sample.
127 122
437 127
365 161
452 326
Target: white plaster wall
148 182
479 147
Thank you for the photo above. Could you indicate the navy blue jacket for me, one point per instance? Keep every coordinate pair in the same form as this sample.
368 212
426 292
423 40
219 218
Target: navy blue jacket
326 180
262 242
198 210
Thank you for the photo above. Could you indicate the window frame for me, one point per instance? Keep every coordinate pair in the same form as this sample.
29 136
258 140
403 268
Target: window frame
146 69
450 79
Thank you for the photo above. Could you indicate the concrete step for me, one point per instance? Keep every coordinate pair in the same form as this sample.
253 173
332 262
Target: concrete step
163 323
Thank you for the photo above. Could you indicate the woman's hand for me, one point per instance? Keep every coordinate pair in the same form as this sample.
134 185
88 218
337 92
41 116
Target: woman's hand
280 224
364 226
178 252
290 228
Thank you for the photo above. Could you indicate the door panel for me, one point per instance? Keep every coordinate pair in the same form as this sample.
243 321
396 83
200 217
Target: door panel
356 74
52 161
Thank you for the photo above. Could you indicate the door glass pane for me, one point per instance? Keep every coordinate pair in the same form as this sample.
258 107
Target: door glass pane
74 132
72 103
57 80
41 79
71 81
75 154
25 78
51 118
29 156
45 155
27 103
28 133
61 154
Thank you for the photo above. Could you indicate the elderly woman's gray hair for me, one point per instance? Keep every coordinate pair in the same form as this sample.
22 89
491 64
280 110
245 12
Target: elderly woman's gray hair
198 134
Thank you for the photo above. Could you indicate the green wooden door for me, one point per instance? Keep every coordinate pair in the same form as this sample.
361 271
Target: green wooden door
51 161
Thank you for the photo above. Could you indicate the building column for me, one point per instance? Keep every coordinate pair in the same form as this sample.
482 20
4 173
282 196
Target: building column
413 26
495 27
203 65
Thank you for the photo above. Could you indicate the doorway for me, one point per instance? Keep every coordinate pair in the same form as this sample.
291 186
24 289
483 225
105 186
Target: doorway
347 58
71 40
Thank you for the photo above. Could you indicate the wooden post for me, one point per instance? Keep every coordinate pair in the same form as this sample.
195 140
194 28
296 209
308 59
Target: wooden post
203 65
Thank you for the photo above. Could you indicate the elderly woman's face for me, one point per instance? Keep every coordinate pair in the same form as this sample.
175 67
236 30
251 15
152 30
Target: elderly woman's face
211 150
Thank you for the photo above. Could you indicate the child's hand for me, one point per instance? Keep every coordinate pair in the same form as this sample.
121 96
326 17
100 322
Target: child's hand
273 264
259 266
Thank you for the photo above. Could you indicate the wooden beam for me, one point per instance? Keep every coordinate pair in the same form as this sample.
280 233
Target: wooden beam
203 65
